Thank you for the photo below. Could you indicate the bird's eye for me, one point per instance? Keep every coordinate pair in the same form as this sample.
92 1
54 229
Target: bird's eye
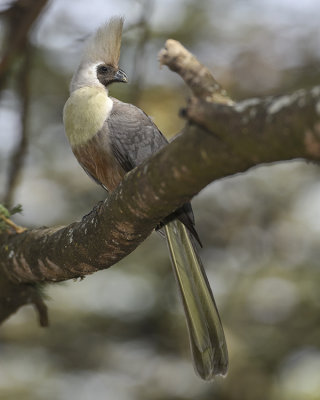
103 69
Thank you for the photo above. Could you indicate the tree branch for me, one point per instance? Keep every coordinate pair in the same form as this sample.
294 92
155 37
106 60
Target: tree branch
196 76
17 158
221 140
20 16
253 131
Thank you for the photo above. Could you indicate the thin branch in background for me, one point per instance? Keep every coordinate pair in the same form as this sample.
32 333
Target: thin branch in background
17 158
20 18
139 60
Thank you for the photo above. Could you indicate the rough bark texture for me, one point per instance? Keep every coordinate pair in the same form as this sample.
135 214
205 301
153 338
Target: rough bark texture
220 139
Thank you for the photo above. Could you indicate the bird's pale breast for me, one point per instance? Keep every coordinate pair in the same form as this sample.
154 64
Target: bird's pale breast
85 113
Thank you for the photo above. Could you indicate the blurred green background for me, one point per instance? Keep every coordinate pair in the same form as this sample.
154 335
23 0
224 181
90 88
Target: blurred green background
120 333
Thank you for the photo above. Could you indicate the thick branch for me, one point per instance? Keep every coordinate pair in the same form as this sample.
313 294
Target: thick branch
253 131
149 193
116 227
264 130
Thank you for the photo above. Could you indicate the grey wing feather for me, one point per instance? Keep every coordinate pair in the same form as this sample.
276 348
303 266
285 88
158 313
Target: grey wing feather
133 135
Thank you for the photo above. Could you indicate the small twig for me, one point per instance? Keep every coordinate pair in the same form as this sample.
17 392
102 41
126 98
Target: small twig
41 308
17 228
196 75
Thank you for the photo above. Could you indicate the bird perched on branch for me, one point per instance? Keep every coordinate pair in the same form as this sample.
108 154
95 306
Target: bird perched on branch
110 138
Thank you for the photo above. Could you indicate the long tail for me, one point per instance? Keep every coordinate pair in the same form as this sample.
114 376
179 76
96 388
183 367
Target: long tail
207 341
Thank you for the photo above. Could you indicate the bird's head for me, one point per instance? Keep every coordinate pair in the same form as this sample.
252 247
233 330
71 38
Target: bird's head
99 63
107 74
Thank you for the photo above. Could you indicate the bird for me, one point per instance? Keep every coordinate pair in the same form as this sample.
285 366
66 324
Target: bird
109 138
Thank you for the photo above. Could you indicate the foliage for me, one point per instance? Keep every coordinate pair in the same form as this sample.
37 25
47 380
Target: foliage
5 215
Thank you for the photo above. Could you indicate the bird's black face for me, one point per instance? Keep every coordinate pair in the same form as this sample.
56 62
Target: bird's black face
107 74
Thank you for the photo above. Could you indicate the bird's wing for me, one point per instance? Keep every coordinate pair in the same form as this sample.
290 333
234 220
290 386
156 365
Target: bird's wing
133 135
134 138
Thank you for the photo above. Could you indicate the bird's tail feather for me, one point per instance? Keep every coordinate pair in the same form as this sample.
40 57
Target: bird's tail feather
207 341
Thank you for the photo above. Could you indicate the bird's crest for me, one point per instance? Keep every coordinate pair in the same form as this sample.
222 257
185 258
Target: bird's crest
105 44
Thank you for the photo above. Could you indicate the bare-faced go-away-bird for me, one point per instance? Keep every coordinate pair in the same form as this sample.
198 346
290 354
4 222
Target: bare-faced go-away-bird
110 138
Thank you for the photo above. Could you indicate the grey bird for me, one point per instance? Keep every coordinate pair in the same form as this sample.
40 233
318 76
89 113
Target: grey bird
110 138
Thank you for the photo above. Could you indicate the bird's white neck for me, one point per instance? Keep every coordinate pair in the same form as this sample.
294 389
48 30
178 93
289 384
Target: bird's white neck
86 75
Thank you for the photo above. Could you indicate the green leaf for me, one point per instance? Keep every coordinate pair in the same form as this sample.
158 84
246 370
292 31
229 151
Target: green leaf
4 211
16 209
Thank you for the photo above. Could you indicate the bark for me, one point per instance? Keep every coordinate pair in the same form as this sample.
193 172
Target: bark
221 138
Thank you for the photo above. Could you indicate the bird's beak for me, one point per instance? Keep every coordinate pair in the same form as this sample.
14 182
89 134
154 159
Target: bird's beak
120 76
